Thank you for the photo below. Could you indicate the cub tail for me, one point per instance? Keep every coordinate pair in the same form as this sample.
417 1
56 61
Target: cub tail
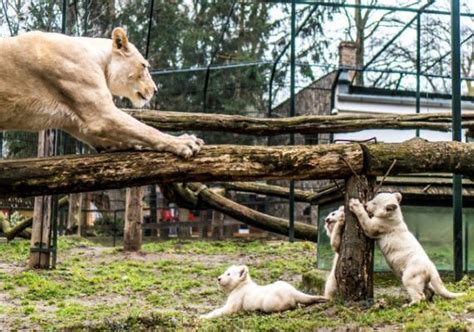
440 289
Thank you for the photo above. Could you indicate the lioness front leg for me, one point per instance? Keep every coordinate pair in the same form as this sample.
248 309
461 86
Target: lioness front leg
365 222
128 132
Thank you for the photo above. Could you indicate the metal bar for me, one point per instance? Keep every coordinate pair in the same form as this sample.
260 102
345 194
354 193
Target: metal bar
214 53
205 68
291 233
362 6
148 36
278 58
466 246
418 65
457 135
390 42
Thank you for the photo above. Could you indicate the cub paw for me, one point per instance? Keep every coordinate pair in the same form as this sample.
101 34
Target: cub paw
355 205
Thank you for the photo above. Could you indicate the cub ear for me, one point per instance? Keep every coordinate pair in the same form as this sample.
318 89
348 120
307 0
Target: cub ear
398 196
119 39
390 207
244 270
341 208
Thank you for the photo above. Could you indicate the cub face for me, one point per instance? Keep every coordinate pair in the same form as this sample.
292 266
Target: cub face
128 71
232 277
384 205
333 218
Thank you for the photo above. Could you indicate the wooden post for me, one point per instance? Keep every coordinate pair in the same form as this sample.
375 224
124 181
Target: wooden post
74 217
132 237
354 272
40 232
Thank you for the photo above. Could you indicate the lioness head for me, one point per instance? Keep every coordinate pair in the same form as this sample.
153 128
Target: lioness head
128 71
233 276
333 218
384 205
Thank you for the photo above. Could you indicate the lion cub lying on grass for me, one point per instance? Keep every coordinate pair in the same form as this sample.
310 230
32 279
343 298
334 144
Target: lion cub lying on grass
333 225
402 251
246 295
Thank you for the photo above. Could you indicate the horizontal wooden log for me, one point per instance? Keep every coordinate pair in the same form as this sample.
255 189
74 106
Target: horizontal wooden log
251 217
270 190
67 174
44 176
307 124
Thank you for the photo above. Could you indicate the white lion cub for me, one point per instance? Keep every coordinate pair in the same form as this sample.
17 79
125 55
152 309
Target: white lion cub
402 251
246 295
333 224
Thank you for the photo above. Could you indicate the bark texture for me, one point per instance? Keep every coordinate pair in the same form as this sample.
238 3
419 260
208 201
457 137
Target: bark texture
68 174
354 272
74 217
305 124
132 236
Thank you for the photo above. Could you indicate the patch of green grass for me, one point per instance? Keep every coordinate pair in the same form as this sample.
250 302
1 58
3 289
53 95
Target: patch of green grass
111 290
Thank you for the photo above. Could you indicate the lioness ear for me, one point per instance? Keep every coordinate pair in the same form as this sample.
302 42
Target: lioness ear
398 196
390 207
244 270
119 39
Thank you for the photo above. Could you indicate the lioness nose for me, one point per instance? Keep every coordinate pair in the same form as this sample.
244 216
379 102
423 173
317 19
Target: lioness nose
155 90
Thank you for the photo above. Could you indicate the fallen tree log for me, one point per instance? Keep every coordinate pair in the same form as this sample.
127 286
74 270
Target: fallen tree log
270 190
312 197
306 124
22 229
65 174
197 196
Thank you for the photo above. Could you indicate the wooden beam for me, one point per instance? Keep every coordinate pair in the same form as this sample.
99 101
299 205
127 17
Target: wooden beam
65 174
306 124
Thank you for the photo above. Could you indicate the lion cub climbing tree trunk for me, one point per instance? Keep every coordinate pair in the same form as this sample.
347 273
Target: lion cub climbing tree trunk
354 272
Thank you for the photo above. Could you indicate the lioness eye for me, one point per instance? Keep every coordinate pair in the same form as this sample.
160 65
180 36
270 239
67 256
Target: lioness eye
228 274
144 65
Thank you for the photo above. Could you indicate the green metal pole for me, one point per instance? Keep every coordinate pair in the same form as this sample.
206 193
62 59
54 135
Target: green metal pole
278 58
418 65
292 113
457 134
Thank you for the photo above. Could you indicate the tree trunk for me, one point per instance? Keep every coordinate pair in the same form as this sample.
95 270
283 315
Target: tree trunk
354 272
305 124
74 217
132 237
42 214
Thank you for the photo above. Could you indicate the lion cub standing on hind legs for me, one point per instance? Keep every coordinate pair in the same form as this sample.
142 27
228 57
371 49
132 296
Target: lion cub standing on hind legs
49 80
333 224
246 295
383 221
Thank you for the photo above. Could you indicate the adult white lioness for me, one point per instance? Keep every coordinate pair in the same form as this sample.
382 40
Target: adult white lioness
50 80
